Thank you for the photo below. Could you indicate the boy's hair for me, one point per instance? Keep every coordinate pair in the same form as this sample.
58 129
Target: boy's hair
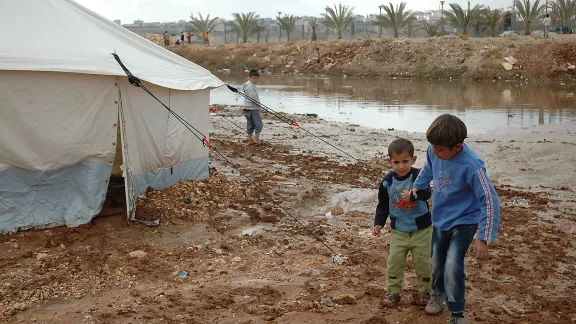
400 146
447 130
253 73
547 15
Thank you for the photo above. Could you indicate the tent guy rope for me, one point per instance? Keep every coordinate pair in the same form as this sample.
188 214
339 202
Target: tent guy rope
336 258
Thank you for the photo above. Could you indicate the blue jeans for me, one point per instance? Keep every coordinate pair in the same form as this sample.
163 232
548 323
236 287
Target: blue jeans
448 251
253 121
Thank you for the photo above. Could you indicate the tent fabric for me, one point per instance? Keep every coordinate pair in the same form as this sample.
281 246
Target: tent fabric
58 140
63 36
59 131
52 120
160 149
68 196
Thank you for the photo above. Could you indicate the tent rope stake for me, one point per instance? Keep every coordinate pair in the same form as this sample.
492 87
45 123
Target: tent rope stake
336 258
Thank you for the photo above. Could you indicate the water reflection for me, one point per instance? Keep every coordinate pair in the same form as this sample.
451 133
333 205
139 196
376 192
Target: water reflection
412 104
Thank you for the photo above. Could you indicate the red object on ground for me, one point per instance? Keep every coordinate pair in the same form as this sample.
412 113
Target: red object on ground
294 124
212 110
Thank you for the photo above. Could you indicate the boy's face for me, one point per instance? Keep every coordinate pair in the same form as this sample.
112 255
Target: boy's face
444 152
254 79
402 163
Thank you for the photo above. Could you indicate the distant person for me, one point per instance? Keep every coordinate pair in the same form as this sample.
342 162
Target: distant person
189 38
177 42
182 38
547 23
318 56
410 221
465 207
252 109
206 39
166 39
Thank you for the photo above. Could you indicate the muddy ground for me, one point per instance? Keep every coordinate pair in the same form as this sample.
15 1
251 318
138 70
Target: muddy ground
245 261
534 60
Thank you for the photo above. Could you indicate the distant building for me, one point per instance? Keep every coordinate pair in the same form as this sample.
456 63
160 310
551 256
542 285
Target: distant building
118 21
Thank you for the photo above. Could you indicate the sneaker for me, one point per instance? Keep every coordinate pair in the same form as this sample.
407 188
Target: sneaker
458 320
422 299
391 300
434 305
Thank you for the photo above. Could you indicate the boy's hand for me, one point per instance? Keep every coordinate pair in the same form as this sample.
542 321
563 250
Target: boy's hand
481 248
406 195
377 230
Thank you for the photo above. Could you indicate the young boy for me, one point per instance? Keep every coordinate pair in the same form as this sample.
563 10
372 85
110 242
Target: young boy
410 221
464 202
251 109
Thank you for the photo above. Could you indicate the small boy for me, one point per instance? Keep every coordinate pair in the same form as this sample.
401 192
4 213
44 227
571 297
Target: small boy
410 221
252 109
464 202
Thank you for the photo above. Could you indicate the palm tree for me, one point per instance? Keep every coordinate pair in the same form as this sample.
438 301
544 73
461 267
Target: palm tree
431 29
338 18
396 18
528 12
287 23
460 18
201 25
313 22
565 10
245 24
492 18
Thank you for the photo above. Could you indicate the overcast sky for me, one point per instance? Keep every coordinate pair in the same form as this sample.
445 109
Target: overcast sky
174 10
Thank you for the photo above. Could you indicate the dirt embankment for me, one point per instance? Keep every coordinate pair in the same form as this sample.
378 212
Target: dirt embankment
535 59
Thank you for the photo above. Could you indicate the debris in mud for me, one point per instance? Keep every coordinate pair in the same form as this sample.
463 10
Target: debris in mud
328 302
42 256
150 223
182 275
507 66
336 210
345 300
573 230
138 254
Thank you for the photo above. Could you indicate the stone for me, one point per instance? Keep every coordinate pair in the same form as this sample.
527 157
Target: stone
336 210
279 178
20 306
511 60
236 259
573 230
571 67
42 256
328 302
345 300
507 66
138 254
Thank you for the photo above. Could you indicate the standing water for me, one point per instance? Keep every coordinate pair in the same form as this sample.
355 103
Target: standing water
410 105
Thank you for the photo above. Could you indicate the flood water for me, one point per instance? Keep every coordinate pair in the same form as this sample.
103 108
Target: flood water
411 105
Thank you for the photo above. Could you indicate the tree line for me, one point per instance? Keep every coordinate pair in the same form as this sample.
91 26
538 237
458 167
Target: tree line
396 18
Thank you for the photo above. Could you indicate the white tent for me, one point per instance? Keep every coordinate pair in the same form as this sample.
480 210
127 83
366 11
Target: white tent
63 101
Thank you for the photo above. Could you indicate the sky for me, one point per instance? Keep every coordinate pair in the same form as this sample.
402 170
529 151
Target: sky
174 10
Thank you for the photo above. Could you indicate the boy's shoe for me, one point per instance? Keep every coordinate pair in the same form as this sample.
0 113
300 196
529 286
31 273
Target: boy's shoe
248 139
391 300
458 320
422 299
257 140
434 305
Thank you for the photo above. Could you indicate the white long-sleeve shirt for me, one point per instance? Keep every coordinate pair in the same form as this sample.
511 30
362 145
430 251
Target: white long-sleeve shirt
547 21
250 90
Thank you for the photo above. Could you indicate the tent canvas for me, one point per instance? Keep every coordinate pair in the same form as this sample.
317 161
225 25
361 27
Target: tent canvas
64 104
